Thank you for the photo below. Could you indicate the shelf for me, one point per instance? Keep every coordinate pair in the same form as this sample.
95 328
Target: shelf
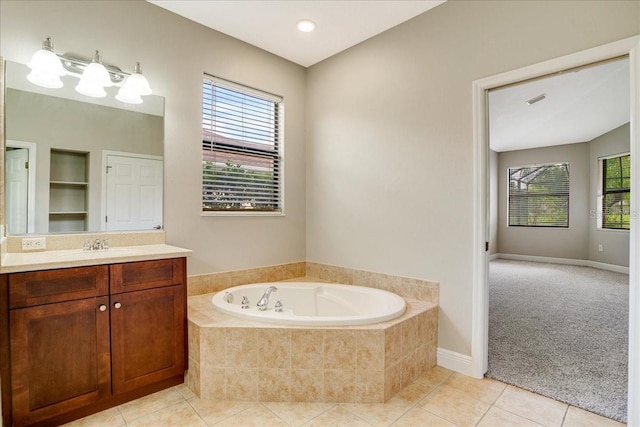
81 184
68 191
69 213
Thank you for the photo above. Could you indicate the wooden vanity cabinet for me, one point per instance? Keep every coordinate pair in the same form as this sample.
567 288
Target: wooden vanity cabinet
76 347
147 323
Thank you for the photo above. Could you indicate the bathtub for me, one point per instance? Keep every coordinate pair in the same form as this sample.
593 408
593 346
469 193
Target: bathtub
312 304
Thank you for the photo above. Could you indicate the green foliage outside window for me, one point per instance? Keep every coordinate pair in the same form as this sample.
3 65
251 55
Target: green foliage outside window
539 196
616 192
237 188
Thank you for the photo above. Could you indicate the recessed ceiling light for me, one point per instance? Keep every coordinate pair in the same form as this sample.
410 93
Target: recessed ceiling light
306 26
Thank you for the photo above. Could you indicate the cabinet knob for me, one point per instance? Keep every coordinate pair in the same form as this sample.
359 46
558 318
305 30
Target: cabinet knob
117 305
103 307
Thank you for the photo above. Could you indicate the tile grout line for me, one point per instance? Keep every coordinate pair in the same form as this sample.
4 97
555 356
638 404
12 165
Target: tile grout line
491 406
564 416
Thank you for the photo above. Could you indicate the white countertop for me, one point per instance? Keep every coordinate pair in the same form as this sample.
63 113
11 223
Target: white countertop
48 260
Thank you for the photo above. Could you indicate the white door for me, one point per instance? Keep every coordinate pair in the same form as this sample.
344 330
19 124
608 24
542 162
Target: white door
133 193
17 188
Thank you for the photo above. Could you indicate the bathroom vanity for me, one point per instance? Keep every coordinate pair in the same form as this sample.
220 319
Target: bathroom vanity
97 332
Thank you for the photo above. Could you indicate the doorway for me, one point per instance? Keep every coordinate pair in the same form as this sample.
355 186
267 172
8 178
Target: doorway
479 356
20 184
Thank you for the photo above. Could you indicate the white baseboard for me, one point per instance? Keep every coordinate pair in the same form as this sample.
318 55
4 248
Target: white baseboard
568 261
455 361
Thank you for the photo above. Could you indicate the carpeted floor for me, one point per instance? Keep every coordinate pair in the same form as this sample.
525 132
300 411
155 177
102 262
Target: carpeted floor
561 331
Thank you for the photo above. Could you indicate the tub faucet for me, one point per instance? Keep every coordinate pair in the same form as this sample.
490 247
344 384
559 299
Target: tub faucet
262 304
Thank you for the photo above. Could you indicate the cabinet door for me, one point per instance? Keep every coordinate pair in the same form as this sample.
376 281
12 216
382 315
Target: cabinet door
147 336
60 358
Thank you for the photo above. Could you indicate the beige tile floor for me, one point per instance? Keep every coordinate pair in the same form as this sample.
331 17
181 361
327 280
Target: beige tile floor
438 398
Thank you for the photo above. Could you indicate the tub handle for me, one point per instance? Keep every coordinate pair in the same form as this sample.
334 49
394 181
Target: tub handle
245 302
228 297
278 306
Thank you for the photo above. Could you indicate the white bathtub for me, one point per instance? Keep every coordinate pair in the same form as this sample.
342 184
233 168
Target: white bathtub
313 304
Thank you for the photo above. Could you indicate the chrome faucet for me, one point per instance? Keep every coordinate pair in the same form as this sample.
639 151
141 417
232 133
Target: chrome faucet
262 303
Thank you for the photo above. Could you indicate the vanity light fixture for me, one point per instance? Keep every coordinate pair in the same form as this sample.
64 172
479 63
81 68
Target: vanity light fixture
47 67
536 99
306 25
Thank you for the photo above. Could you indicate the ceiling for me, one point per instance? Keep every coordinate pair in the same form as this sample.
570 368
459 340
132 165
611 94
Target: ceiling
271 24
579 106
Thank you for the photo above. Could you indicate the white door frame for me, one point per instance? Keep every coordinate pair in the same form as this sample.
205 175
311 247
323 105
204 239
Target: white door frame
480 314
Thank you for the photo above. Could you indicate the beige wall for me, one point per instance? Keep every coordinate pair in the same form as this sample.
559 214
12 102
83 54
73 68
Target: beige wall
580 241
174 53
615 242
572 242
388 124
390 167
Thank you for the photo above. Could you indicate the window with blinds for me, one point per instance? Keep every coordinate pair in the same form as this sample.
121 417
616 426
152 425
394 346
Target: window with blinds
241 148
539 196
616 192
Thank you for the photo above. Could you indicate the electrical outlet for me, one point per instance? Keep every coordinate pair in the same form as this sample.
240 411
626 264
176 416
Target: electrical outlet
600 248
34 243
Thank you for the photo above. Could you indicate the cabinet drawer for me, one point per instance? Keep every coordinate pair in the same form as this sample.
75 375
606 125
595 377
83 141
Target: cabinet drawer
136 276
50 286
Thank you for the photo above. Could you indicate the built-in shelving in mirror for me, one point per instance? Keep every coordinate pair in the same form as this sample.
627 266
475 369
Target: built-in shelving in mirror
80 164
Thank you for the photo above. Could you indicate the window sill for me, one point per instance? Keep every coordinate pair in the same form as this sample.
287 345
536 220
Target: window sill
242 213
615 230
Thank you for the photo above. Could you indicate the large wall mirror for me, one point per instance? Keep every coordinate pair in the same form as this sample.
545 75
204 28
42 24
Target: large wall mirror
80 164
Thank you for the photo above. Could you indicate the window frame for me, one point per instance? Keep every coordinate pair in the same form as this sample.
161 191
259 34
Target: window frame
568 195
277 155
602 192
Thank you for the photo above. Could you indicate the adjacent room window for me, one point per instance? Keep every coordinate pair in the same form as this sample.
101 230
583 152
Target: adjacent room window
539 195
615 192
241 149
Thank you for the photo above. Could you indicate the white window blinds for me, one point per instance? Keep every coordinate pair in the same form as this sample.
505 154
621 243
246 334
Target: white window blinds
241 148
539 195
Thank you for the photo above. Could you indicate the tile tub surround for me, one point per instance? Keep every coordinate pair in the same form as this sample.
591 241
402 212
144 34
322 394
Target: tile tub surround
418 289
423 290
238 359
215 282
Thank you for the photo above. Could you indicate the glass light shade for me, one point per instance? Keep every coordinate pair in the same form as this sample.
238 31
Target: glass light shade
91 89
129 96
96 74
138 83
46 69
44 79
